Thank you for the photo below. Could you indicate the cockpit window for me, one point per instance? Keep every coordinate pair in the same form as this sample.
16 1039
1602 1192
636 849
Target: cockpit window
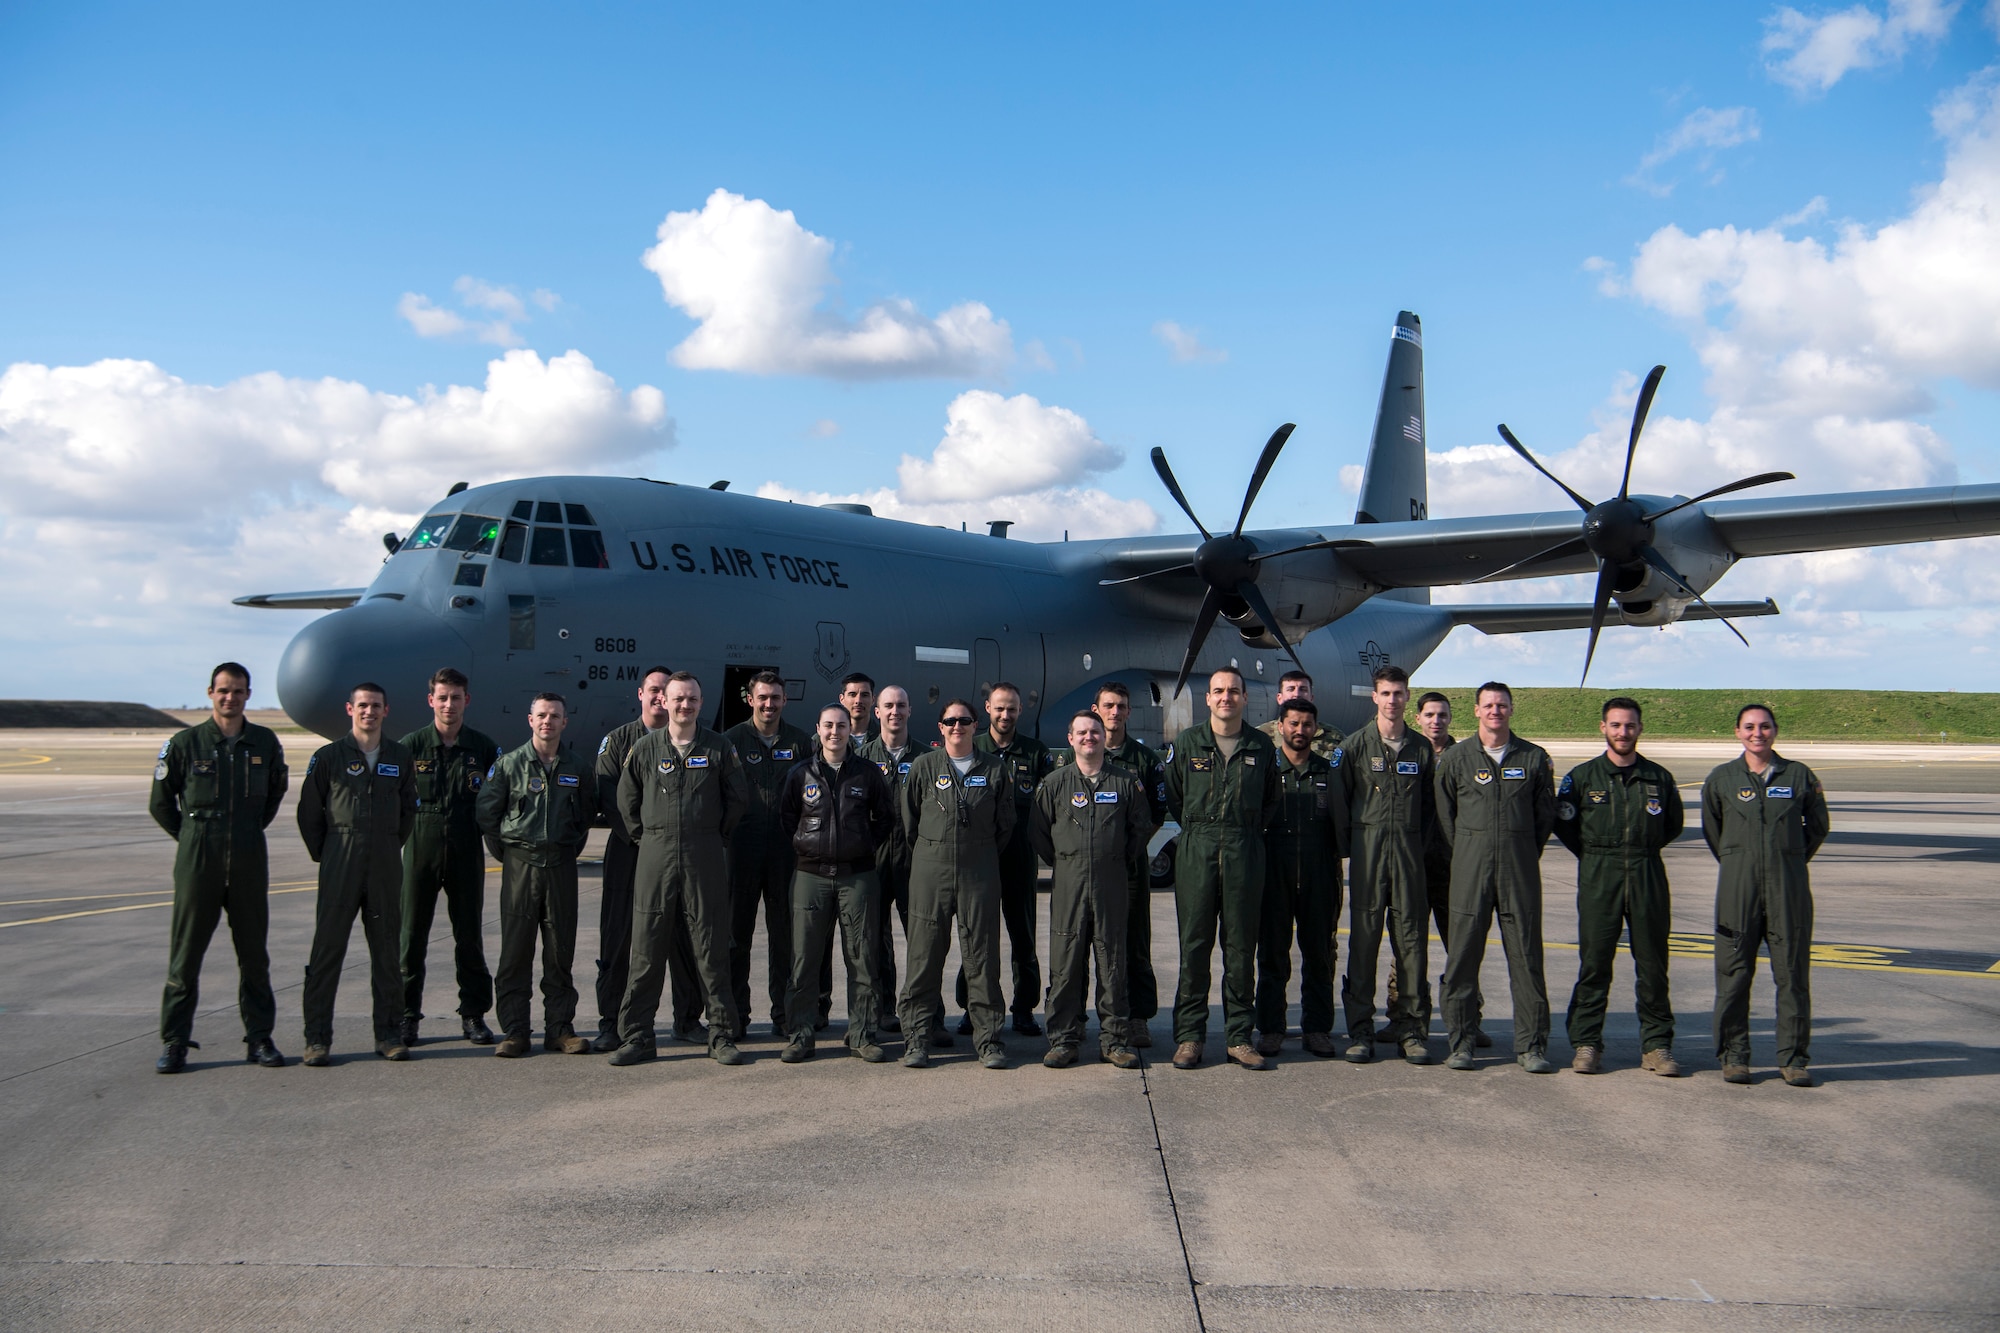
524 509
429 534
473 533
587 548
546 547
579 516
548 511
514 542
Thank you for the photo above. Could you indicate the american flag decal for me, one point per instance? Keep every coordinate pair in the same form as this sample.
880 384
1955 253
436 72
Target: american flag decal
1413 430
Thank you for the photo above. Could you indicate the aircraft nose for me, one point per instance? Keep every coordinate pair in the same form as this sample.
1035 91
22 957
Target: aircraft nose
393 644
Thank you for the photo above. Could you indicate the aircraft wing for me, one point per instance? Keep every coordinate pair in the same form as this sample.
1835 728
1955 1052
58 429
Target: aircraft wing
326 599
1459 550
1529 617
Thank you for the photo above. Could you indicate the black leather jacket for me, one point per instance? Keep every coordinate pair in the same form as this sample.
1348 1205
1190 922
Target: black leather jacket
836 820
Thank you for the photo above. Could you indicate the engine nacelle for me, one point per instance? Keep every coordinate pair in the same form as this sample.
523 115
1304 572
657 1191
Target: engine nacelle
1307 590
1689 543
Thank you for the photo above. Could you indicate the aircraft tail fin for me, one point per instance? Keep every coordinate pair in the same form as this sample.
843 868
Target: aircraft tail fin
1393 488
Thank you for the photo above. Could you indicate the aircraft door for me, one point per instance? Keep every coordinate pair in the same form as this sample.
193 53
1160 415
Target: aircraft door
986 671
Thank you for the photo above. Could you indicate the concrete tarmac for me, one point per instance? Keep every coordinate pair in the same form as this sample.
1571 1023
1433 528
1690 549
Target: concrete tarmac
460 1191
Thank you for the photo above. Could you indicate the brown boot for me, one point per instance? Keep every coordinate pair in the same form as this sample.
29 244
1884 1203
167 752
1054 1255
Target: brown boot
1798 1076
1588 1060
1248 1057
564 1041
1187 1055
1736 1073
511 1047
1660 1061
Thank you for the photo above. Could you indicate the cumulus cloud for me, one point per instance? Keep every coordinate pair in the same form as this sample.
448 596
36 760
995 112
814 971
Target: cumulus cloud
1811 53
1703 133
494 312
1012 458
137 503
757 284
1185 345
1822 357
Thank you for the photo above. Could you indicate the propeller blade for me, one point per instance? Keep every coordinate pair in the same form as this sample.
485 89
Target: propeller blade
1247 590
1211 604
1646 392
1607 577
1657 561
1522 450
1174 489
1334 544
1264 462
1573 546
1761 479
1170 569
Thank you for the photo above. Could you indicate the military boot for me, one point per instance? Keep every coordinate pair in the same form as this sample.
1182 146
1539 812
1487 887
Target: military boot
1588 1060
173 1059
564 1041
1660 1061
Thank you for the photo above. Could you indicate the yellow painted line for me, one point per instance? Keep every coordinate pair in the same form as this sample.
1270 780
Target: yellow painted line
97 897
106 911
33 760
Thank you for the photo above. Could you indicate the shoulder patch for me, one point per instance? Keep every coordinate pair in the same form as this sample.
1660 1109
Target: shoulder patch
311 763
160 772
1333 760
1568 784
604 744
165 746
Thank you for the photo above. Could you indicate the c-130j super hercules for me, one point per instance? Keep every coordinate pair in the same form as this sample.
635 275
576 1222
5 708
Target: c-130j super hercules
576 584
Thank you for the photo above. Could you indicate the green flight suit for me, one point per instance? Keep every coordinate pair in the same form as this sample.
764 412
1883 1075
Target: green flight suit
1027 762
1437 892
614 908
1391 813
215 797
1762 830
1142 985
1498 817
1223 805
540 814
355 820
892 864
685 805
445 854
1303 848
1091 829
760 873
956 825
1617 821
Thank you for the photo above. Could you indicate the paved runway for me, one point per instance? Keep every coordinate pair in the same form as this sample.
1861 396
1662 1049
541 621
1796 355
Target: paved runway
459 1191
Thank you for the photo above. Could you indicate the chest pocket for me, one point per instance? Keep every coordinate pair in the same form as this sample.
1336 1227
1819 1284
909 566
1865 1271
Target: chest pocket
348 801
202 787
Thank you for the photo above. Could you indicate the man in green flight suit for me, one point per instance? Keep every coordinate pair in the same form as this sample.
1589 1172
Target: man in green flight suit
1496 803
1296 684
1616 813
1386 773
892 750
537 805
1303 848
216 787
1126 751
957 814
445 854
1026 761
760 855
1090 821
684 789
1222 788
1764 816
621 863
356 809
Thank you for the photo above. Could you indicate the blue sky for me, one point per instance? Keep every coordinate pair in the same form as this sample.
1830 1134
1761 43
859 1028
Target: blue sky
234 193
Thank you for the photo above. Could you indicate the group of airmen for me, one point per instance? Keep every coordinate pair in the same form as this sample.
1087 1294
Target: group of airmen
822 833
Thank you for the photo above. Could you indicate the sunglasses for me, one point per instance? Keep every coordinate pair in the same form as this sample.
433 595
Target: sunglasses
956 722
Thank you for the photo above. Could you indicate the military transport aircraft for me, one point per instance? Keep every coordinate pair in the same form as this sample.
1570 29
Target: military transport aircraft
577 584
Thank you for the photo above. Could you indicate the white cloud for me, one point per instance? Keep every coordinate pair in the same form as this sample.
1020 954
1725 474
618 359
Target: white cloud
824 429
1811 53
1185 345
1012 458
1703 132
757 283
134 504
504 305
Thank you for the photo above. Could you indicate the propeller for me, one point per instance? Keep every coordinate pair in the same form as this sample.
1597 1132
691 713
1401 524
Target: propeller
1619 531
1228 563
